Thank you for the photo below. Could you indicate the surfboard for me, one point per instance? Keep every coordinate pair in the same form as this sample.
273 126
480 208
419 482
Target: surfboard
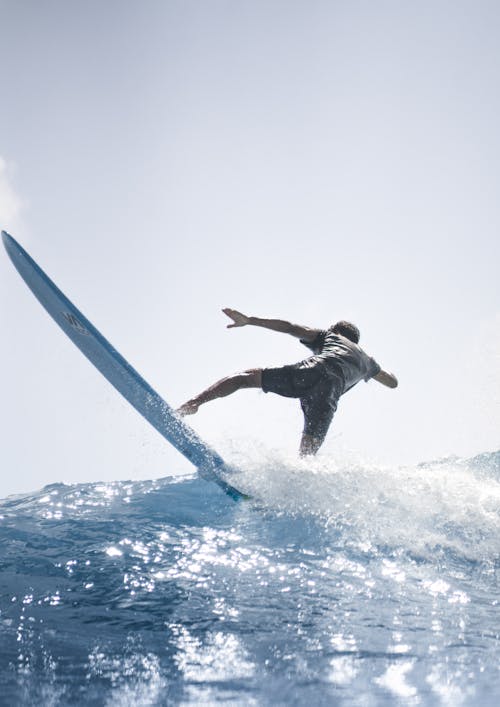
119 372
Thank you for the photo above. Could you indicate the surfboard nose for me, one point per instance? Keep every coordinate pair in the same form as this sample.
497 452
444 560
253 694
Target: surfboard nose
7 239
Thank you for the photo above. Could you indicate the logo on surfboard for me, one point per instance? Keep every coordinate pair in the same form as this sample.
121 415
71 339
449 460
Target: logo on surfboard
75 323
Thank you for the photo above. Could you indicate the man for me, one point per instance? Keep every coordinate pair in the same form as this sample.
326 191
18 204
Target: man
337 364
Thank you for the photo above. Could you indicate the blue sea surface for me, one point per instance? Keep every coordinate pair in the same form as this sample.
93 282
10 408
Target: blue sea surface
338 584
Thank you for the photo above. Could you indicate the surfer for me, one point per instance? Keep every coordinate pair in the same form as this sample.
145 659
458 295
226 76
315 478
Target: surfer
337 364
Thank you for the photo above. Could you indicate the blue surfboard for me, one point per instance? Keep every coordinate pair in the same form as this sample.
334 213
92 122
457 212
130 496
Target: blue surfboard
118 371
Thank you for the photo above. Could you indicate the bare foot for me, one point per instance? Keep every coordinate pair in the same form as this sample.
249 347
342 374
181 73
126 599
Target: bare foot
189 408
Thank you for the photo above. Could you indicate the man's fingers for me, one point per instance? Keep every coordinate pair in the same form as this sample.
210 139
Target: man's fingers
238 318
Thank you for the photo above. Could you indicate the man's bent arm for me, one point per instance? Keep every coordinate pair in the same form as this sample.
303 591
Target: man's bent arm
280 325
388 379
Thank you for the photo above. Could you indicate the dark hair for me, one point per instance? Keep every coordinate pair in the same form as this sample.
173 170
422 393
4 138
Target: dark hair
350 331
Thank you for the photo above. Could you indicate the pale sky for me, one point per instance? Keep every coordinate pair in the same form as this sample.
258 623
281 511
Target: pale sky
312 161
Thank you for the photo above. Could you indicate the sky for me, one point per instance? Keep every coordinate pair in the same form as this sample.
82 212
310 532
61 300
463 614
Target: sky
307 160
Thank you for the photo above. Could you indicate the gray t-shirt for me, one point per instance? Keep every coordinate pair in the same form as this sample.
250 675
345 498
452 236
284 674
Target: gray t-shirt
342 357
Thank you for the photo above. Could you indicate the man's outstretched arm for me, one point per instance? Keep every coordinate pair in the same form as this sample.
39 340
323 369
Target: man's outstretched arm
301 332
388 379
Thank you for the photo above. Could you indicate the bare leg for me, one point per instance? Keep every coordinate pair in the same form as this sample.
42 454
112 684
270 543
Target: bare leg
248 379
309 445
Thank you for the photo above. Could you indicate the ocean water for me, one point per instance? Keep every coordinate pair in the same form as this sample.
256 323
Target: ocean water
345 584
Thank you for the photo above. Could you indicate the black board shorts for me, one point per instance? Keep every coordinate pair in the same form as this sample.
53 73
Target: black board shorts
317 389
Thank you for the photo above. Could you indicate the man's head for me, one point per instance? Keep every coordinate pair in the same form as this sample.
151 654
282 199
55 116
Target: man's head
350 331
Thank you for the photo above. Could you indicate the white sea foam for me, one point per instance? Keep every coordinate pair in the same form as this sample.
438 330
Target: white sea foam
450 505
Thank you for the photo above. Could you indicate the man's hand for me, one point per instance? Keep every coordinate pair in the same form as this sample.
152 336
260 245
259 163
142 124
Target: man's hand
388 379
238 318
